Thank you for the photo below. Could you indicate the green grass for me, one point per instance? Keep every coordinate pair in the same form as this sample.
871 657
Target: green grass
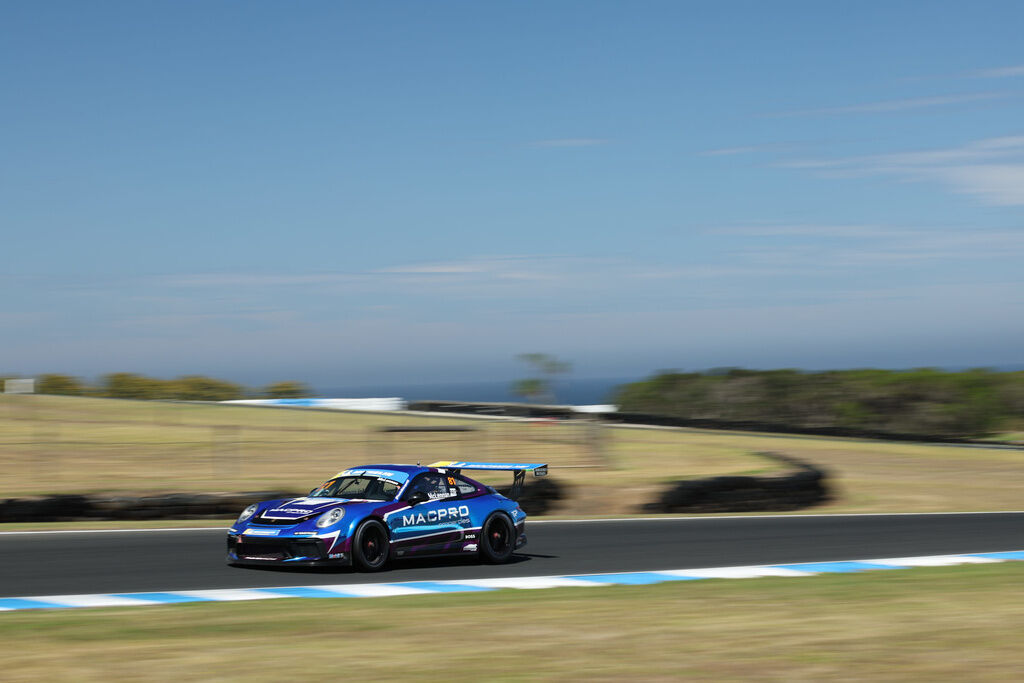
958 623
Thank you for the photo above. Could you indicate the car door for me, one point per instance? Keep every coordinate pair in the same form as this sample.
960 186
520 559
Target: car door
433 526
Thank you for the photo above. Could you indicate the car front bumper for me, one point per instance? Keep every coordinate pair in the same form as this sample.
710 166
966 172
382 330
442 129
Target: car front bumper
282 551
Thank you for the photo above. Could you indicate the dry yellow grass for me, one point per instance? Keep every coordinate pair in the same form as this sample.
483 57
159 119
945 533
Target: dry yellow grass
57 444
904 625
878 476
52 444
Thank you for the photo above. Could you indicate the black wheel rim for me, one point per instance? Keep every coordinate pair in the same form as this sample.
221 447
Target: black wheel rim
372 546
498 536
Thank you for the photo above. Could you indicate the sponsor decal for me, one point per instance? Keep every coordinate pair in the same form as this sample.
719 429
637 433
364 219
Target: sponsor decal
292 511
490 465
470 547
450 514
393 477
260 532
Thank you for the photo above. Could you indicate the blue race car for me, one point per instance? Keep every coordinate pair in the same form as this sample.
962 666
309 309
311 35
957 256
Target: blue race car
364 516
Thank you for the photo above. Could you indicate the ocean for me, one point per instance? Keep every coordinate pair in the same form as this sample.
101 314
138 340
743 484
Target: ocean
566 390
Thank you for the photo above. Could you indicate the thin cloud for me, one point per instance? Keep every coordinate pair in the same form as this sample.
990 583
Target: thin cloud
991 170
256 279
570 142
494 266
827 248
470 276
994 184
855 230
176 321
897 105
1000 72
743 149
435 269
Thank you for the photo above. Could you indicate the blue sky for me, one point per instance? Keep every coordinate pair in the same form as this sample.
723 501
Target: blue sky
349 193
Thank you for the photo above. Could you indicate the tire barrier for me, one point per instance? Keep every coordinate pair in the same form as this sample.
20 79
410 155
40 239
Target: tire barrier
779 428
804 487
66 508
537 498
525 410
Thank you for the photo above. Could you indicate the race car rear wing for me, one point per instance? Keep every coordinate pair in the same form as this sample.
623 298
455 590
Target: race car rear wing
518 469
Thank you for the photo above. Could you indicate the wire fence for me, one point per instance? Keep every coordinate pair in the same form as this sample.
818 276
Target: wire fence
54 445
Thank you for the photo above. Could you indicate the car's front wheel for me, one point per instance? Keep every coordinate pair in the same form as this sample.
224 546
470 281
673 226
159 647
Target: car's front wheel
498 539
370 546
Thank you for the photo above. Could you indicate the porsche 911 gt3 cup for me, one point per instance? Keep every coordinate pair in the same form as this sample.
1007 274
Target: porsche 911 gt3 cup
365 516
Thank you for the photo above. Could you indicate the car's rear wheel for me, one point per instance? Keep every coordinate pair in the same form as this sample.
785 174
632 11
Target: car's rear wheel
370 546
498 539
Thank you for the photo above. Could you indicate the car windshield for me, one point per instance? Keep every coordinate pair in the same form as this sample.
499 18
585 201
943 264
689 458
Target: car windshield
366 488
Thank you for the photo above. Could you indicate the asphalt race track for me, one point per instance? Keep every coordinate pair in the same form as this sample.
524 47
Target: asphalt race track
153 560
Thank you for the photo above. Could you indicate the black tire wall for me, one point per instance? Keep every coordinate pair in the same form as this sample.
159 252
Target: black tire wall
806 486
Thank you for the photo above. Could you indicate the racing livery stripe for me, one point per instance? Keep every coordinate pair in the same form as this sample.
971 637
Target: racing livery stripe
460 531
369 590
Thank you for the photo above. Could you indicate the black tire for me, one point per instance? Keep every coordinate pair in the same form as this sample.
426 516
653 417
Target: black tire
497 539
370 546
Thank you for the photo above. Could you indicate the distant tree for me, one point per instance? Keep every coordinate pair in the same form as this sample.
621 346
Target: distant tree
62 385
530 389
540 389
199 388
286 390
131 385
923 401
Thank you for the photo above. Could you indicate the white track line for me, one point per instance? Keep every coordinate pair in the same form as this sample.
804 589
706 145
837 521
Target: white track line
524 582
572 521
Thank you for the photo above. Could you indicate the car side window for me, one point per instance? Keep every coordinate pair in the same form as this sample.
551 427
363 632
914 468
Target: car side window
432 484
388 489
461 485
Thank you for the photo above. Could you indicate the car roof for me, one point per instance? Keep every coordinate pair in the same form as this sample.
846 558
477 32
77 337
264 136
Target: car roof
398 472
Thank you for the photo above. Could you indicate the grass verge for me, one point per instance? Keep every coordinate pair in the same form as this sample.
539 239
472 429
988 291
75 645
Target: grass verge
52 444
952 623
59 444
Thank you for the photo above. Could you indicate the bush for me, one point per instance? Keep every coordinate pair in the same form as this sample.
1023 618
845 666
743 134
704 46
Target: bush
924 401
286 390
61 385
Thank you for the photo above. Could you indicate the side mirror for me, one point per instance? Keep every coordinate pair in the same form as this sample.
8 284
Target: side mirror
418 497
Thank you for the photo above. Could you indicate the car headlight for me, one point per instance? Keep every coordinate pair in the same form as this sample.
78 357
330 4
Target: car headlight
330 517
248 512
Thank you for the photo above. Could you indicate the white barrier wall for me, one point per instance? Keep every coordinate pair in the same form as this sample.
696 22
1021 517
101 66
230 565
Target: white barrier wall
596 409
376 404
19 386
329 403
